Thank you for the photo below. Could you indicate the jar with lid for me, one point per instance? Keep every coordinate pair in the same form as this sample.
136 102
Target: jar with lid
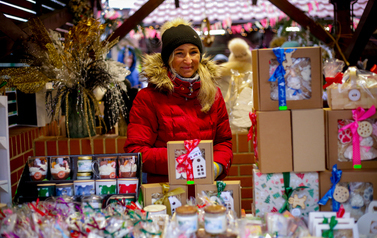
215 219
155 209
84 164
187 218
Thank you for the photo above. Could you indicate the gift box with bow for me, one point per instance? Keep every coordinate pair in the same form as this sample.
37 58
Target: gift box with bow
229 192
277 192
172 196
190 162
351 138
287 78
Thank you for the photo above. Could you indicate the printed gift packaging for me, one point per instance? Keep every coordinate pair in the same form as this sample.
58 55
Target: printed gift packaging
290 140
342 140
231 194
172 196
301 84
280 191
354 189
190 159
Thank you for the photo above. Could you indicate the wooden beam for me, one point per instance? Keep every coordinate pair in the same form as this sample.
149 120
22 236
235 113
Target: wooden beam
135 19
298 16
10 29
365 29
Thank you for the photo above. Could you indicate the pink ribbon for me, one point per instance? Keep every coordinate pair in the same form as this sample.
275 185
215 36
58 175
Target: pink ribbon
253 130
358 114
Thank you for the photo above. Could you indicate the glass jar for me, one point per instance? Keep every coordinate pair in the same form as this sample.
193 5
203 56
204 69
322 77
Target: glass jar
155 209
37 168
187 218
81 176
84 164
215 219
60 168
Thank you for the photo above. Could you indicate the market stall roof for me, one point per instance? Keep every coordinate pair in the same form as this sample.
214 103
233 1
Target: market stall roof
237 10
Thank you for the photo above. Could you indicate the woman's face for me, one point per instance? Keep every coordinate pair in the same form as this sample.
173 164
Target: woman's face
186 59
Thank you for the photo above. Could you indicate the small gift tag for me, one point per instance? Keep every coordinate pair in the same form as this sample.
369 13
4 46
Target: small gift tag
341 194
365 129
174 203
228 200
199 167
195 153
295 201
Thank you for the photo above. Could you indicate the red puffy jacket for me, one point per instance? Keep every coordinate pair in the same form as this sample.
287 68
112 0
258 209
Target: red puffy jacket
159 115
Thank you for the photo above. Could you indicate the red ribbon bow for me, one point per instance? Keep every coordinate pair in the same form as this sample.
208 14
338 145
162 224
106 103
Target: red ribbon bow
184 162
330 80
253 130
374 69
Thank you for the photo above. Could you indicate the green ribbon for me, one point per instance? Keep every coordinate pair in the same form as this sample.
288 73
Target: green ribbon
220 188
139 219
330 232
288 191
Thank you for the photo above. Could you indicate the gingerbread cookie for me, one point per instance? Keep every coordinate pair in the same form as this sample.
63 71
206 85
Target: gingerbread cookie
341 194
365 129
295 201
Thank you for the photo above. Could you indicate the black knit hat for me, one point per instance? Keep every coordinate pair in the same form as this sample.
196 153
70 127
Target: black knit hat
176 36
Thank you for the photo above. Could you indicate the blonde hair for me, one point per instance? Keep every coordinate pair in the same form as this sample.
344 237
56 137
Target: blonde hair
208 89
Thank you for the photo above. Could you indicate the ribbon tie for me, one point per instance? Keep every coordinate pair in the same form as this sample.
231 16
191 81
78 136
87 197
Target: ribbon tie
330 80
373 69
185 163
166 194
279 76
335 178
358 114
288 190
330 232
253 130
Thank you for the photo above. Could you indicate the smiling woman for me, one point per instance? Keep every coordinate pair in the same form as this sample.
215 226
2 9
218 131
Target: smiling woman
181 102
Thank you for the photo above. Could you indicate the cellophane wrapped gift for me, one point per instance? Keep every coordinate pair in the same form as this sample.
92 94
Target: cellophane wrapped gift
367 133
239 100
271 194
297 76
355 89
360 196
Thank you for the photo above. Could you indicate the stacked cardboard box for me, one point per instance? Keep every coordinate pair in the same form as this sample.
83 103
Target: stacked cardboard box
201 157
290 142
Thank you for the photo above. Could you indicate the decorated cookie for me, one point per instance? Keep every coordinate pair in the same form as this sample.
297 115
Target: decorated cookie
364 129
345 136
341 194
295 201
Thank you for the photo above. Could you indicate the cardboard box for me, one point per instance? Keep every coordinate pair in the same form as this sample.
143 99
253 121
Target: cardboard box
153 192
232 188
335 153
202 163
269 188
308 140
274 140
262 87
365 176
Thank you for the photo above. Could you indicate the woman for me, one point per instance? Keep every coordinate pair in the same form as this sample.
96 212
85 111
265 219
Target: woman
181 102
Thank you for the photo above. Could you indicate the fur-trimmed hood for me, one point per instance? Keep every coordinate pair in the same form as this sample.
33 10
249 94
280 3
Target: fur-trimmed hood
156 72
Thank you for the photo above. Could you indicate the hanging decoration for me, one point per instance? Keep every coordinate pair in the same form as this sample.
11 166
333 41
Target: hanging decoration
207 39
